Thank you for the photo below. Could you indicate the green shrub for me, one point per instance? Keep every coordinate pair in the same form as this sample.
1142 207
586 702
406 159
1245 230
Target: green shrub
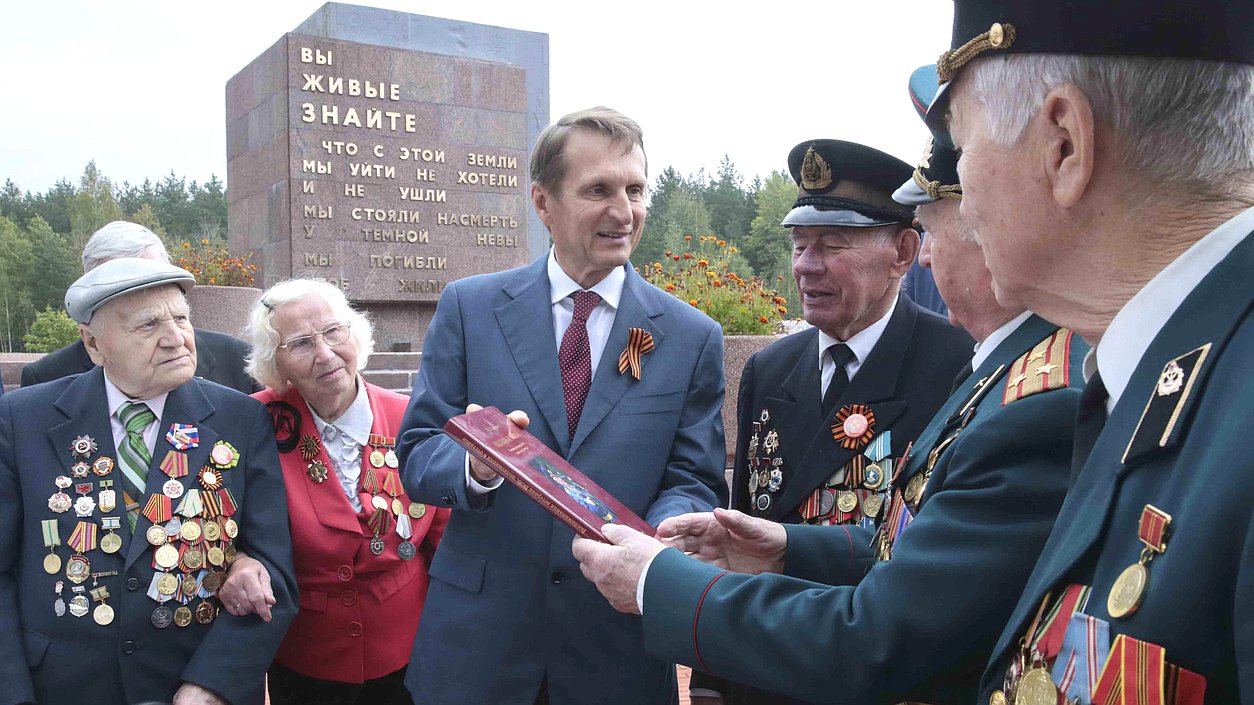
51 330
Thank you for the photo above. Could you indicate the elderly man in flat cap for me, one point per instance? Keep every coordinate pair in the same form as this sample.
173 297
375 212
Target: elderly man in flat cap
219 357
124 493
1108 170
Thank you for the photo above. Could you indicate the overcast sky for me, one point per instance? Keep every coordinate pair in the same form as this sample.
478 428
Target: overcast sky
139 86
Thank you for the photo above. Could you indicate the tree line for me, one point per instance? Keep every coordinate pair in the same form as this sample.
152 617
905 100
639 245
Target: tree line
42 234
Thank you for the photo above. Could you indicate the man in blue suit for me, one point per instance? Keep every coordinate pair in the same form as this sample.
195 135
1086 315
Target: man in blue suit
508 620
970 507
124 493
1107 167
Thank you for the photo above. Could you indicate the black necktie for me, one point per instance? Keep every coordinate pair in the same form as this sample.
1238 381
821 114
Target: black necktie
841 355
963 374
1089 420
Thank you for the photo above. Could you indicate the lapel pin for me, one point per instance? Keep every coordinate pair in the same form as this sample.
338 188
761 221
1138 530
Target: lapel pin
639 343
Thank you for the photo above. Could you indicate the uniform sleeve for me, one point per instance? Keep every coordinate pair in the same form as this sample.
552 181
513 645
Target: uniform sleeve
14 672
433 466
234 655
934 610
833 555
694 479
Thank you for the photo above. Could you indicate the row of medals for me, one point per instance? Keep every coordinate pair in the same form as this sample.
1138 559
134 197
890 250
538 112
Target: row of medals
382 453
166 556
766 475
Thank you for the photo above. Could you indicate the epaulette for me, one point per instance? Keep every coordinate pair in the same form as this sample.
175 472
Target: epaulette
1046 366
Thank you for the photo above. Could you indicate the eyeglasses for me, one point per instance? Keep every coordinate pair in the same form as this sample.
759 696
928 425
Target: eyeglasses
303 345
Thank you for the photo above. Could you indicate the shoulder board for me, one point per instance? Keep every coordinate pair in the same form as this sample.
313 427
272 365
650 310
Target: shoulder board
1046 366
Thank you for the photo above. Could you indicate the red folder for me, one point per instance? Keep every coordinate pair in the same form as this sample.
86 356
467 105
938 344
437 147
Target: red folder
540 473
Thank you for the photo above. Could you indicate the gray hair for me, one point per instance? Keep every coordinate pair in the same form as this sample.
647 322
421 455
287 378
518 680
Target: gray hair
1177 122
548 167
122 239
264 340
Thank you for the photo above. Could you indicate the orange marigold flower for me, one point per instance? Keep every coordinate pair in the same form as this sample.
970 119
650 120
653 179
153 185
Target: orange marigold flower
718 282
657 265
783 310
675 257
687 255
204 241
667 253
688 238
763 319
210 280
778 299
670 287
732 249
692 302
703 263
711 274
721 243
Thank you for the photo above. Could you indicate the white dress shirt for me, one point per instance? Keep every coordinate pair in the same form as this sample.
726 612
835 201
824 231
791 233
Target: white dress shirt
116 398
343 440
600 322
986 347
860 343
1143 317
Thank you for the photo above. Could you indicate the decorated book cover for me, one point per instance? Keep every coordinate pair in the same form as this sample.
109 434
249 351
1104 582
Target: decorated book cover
541 473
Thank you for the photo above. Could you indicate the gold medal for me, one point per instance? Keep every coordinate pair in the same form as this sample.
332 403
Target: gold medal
103 615
230 528
1129 589
846 501
167 556
156 535
216 556
376 458
167 584
205 612
1036 688
183 616
397 507
78 569
914 488
52 564
213 579
189 587
213 531
111 543
190 532
193 559
379 502
872 505
229 553
998 698
416 510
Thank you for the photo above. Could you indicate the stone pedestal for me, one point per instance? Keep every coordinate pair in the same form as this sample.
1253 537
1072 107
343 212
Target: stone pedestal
736 351
223 309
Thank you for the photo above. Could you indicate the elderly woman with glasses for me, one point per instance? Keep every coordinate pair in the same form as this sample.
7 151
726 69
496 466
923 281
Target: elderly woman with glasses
361 546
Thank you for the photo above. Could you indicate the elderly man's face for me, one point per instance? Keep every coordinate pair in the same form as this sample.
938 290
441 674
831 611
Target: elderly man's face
847 276
1001 201
956 261
144 341
596 213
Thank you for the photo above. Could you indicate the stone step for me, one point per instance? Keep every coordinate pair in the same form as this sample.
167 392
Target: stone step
11 365
390 379
394 361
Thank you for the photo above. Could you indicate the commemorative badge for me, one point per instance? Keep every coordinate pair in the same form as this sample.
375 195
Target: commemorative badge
224 455
83 447
309 447
79 470
52 539
209 478
1128 591
318 471
108 497
639 344
102 466
183 436
111 542
854 427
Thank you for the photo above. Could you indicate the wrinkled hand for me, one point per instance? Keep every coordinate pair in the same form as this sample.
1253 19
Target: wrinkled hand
482 472
247 589
615 567
728 539
192 694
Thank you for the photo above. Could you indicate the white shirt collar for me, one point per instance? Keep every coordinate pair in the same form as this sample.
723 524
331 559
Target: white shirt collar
561 285
116 398
986 347
356 420
862 342
1139 321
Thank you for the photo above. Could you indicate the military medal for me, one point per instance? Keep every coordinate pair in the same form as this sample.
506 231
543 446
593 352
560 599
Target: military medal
846 501
309 447
416 510
60 502
80 470
390 459
103 613
213 579
183 616
172 489
167 556
216 556
111 542
209 478
167 584
174 465
1036 688
192 504
82 540
79 604
406 550
58 605
189 587
157 509
1129 589
84 506
230 528
376 546
103 466
764 502
193 560
376 458
108 498
52 539
83 447
205 612
872 505
224 455
776 480
771 443
213 531
318 471
77 569
190 531
914 488
162 617
183 436
854 427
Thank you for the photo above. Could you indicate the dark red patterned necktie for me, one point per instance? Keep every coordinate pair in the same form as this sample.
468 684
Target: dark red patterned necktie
575 358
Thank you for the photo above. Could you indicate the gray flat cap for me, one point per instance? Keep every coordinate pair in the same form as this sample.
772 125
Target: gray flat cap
117 277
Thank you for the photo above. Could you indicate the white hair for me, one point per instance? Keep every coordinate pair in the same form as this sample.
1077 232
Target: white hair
1178 122
122 239
264 340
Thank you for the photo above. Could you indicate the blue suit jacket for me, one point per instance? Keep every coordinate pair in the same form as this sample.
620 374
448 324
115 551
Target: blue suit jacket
508 606
917 626
69 660
1194 463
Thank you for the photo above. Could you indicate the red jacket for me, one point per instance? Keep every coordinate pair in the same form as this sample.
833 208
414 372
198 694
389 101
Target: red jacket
358 611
